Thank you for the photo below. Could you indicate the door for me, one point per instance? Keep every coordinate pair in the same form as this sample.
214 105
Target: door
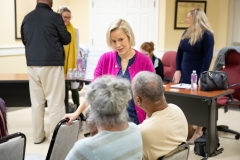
140 14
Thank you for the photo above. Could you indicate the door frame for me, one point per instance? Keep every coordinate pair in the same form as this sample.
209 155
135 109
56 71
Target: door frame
156 23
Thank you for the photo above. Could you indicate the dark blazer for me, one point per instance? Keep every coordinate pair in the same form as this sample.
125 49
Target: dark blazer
43 33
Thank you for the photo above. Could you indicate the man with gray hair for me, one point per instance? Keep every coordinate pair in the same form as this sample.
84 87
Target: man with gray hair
165 121
116 138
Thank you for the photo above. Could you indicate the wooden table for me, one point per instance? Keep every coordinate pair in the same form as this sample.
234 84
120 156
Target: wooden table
199 108
14 89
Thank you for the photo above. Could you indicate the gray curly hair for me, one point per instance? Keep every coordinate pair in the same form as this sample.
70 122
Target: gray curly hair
108 97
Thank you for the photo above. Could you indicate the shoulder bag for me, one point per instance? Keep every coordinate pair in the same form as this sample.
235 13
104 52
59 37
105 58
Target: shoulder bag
213 80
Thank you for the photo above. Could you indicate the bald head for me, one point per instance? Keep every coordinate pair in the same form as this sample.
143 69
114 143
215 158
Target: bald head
148 85
48 2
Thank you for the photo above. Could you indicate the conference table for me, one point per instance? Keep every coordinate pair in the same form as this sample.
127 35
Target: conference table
199 108
14 89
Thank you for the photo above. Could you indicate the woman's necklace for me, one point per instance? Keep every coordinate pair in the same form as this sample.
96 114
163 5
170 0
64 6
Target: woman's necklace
124 65
124 62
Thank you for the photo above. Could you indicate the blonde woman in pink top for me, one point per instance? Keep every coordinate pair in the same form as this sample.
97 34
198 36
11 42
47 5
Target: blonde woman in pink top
123 61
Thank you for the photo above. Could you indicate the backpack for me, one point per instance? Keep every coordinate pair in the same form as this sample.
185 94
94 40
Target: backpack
200 147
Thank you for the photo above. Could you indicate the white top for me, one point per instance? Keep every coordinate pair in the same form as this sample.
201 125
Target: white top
163 132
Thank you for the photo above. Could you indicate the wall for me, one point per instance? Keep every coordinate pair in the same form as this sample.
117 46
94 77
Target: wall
161 20
16 62
80 13
217 12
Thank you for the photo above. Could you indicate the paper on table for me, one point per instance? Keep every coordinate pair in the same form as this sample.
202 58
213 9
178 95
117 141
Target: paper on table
181 85
92 61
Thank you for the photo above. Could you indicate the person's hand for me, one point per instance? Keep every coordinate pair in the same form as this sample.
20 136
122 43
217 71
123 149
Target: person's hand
199 82
176 77
71 117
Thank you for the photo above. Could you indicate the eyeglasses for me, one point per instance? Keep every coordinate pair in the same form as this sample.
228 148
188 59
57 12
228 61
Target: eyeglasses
67 18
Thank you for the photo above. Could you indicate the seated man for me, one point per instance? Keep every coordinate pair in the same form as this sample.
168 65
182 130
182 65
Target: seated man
116 138
166 126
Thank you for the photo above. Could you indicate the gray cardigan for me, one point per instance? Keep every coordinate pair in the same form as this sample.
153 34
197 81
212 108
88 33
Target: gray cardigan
220 61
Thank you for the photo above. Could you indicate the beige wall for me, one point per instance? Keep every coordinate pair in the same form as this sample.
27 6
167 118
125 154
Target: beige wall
13 64
217 12
80 12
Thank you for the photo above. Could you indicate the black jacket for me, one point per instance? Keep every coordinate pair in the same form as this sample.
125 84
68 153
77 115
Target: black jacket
43 33
157 63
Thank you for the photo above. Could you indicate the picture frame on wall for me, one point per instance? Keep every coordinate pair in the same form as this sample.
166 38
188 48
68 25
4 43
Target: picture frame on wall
181 10
22 8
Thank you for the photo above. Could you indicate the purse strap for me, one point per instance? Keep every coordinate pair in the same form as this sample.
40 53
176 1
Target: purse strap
210 75
213 80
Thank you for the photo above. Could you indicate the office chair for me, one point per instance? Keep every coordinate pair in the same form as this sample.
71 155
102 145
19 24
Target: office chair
179 153
232 68
13 146
169 65
61 143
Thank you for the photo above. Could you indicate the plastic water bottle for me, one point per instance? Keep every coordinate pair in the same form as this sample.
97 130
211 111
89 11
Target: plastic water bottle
194 80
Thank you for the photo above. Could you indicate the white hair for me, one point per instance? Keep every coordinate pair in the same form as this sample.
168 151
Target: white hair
108 97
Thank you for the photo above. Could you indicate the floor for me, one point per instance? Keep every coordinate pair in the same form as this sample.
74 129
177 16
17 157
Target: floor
19 120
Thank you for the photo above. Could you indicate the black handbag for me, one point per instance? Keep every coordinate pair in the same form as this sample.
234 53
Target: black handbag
200 147
213 80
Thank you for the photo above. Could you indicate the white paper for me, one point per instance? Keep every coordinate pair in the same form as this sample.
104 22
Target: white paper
181 85
92 61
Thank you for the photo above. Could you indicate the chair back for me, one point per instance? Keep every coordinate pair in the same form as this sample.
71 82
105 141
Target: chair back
63 140
169 64
179 153
232 68
13 146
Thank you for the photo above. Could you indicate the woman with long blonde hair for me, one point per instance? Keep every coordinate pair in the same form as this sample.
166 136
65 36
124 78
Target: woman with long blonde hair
195 52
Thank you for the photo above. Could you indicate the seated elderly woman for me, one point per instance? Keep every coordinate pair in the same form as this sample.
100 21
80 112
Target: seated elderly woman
116 138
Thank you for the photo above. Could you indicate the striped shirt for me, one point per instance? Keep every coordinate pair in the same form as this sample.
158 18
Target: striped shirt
122 145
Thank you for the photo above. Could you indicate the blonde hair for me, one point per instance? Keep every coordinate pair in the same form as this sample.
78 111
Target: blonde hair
121 24
200 24
62 9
